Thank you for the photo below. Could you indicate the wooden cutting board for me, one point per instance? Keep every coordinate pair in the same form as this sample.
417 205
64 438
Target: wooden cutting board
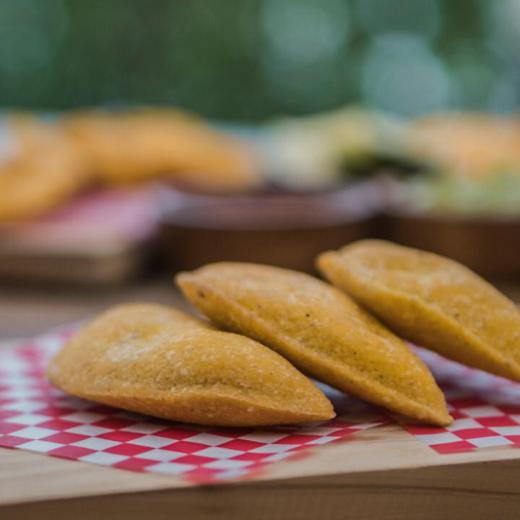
102 238
381 473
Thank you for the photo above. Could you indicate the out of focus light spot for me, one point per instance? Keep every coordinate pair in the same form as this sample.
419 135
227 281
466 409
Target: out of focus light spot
504 24
503 96
305 31
472 79
421 17
401 74
305 42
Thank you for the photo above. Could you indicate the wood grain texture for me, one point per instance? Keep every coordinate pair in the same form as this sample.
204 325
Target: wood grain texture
448 492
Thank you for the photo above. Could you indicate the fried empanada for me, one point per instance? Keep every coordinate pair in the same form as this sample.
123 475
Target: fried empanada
432 301
141 145
319 329
159 361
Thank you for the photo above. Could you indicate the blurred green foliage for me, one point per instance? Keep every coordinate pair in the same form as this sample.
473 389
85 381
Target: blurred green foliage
251 59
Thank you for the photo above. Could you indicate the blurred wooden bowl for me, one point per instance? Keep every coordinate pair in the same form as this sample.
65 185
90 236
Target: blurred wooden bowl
488 245
284 229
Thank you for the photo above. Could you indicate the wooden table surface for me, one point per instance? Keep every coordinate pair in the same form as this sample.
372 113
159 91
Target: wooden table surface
26 311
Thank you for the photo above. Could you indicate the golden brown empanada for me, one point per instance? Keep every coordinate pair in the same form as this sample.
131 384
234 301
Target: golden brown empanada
159 361
433 301
319 329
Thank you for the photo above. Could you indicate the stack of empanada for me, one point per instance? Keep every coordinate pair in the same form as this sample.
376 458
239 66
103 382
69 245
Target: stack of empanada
159 361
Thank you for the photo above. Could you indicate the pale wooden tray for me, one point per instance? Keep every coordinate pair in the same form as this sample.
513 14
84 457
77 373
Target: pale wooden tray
379 473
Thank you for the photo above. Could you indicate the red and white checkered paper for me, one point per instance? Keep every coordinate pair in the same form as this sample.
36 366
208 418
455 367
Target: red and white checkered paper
486 409
37 417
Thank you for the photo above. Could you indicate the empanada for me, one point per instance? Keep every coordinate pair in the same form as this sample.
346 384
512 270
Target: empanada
319 329
141 145
39 167
156 360
432 301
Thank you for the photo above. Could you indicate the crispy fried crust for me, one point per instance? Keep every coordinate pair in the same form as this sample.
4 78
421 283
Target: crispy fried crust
320 330
159 361
431 300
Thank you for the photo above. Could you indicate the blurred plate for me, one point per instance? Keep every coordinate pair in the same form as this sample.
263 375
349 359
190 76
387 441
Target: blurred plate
281 228
488 245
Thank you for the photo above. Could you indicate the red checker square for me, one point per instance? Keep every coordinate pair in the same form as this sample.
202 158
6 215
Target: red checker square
252 456
56 411
515 439
297 439
65 438
453 447
102 409
5 414
127 449
230 432
467 402
174 433
185 447
502 420
6 428
120 436
134 464
241 445
475 433
509 409
113 423
194 459
58 424
10 441
457 414
71 452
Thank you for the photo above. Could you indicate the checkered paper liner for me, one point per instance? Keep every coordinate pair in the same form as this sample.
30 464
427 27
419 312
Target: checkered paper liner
486 409
37 417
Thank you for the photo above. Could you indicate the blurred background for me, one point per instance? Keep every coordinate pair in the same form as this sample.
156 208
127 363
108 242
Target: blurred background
140 138
250 60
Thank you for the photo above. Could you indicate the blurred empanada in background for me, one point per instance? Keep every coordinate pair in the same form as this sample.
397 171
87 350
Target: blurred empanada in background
139 145
319 329
39 167
159 361
470 145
